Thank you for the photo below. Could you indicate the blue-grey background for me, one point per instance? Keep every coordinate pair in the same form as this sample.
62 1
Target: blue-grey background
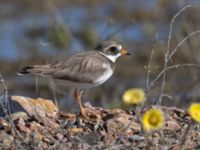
38 32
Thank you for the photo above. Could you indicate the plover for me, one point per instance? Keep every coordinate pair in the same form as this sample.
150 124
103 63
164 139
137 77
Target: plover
82 70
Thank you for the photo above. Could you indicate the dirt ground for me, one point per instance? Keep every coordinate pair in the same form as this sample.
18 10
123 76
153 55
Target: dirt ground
104 129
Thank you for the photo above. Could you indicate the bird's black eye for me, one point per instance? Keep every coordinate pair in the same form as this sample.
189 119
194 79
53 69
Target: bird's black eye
114 49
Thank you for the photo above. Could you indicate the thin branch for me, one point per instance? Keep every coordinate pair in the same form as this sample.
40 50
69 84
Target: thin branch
4 85
169 68
180 43
148 69
168 52
184 138
7 103
5 96
173 21
168 56
167 95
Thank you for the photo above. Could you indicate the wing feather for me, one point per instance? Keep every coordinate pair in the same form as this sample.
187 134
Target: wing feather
80 68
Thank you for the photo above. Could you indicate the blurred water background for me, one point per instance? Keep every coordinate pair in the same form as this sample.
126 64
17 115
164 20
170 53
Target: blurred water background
38 32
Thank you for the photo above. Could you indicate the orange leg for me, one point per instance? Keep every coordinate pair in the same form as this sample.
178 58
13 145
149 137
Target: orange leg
77 95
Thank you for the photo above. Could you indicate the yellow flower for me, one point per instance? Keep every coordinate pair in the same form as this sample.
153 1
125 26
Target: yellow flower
134 96
194 111
153 119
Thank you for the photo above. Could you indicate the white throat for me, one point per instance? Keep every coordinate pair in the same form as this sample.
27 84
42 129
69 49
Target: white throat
113 58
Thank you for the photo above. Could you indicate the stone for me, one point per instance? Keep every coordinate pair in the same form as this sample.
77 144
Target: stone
75 130
121 123
24 129
34 107
18 115
7 141
37 136
50 122
36 127
172 125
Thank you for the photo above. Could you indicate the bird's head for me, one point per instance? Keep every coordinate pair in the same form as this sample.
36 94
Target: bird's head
112 50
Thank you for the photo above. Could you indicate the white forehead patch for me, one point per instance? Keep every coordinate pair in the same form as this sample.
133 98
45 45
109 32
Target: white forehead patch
119 47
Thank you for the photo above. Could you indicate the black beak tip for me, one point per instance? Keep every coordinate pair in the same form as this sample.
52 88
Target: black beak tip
128 53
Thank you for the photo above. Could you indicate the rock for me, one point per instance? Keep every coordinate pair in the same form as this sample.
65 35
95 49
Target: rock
36 127
121 123
137 138
172 125
18 115
4 123
59 136
75 130
93 113
91 138
37 136
24 129
117 110
103 129
7 141
176 147
45 139
69 115
50 122
34 107
108 139
20 121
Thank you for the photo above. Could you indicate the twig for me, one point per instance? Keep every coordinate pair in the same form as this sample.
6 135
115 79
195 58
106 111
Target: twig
173 21
36 85
4 86
151 85
149 141
168 52
2 98
53 89
149 69
138 109
7 105
8 111
180 43
183 140
138 117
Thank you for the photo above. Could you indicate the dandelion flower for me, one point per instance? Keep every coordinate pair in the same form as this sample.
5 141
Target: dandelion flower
194 111
153 119
134 96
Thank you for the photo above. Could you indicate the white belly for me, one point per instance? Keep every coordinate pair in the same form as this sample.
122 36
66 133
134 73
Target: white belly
106 75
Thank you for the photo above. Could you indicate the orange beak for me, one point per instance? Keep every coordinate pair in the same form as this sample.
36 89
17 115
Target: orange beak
124 52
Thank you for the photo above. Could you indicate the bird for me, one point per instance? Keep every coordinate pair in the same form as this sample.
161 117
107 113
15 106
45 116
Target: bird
83 70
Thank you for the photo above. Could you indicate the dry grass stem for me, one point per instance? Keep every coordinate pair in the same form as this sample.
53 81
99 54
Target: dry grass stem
180 43
168 55
152 83
149 70
172 22
185 135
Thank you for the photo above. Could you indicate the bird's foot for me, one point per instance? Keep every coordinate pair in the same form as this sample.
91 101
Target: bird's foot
83 114
89 113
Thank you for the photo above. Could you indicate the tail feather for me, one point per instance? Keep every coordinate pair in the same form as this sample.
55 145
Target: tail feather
25 70
36 70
